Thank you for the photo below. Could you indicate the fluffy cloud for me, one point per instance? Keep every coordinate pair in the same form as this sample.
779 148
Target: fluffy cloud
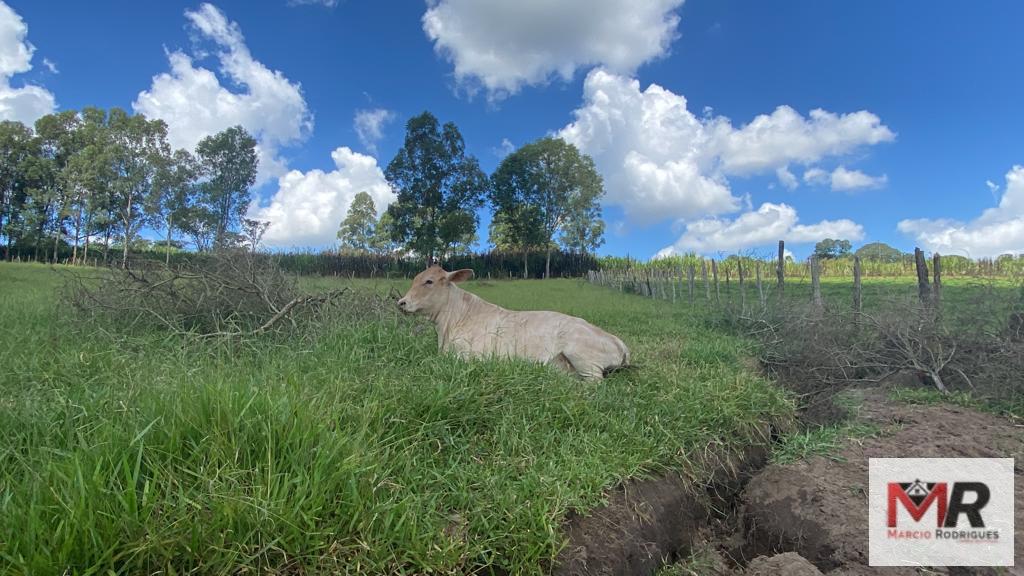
786 178
309 206
26 103
505 45
767 225
661 161
195 104
369 125
785 136
999 230
843 179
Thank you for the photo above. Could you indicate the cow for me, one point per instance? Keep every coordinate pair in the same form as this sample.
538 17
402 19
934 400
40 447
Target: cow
469 326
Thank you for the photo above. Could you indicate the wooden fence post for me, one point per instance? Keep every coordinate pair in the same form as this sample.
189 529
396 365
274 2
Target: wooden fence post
704 275
924 291
857 294
689 281
937 280
781 268
714 275
816 282
760 287
743 292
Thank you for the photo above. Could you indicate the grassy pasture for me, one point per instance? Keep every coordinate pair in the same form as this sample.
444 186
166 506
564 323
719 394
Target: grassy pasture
358 451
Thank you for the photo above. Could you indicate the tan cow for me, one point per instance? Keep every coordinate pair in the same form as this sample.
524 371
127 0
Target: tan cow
472 327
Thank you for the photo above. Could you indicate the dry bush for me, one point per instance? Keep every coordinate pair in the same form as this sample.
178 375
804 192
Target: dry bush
814 349
233 293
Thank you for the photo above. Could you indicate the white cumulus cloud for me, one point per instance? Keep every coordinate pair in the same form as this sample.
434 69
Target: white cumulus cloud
308 207
369 125
661 161
28 102
195 103
765 226
504 45
786 178
999 230
842 179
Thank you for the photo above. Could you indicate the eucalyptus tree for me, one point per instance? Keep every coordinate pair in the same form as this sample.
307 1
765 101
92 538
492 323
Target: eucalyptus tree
548 191
17 145
176 188
228 162
139 151
358 228
439 188
59 139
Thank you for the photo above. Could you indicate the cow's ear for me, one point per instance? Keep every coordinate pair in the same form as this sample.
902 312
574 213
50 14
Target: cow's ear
460 275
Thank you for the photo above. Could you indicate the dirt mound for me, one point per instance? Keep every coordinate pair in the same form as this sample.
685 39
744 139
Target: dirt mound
790 564
818 507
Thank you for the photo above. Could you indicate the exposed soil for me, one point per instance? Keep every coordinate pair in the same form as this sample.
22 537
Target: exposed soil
646 523
804 518
818 507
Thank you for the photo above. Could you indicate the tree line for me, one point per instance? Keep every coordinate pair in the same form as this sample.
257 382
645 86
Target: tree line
99 177
545 197
93 180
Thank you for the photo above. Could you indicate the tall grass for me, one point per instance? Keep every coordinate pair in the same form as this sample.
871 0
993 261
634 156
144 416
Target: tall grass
360 451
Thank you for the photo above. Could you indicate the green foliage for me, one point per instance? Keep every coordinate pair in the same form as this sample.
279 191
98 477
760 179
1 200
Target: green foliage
363 452
544 192
358 229
229 162
439 188
878 252
829 248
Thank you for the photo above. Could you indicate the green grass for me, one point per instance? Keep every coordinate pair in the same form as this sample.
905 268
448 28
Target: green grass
826 441
360 451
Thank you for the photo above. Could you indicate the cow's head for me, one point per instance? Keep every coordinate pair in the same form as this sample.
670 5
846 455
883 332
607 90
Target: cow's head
430 288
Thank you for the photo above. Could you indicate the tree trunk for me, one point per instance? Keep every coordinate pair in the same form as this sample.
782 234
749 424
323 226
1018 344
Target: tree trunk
547 265
167 247
526 261
858 298
106 244
781 268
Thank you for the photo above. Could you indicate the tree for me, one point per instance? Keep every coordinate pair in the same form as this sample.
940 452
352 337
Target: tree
17 145
584 229
59 137
879 252
176 190
828 249
139 151
381 242
516 229
358 228
229 162
439 187
547 191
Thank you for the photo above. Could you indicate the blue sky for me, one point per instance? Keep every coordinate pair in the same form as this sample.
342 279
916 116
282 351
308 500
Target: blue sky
918 141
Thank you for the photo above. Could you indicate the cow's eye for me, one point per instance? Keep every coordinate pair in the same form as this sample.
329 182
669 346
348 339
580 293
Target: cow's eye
428 282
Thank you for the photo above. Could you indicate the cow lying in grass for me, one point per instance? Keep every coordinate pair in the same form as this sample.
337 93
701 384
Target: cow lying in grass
472 327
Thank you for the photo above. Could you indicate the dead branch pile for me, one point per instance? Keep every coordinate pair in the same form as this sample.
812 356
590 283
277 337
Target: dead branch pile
235 293
811 348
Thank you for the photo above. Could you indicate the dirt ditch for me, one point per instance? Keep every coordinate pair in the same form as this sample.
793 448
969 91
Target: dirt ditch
804 518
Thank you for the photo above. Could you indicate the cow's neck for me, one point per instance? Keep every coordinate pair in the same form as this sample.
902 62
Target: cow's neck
461 306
